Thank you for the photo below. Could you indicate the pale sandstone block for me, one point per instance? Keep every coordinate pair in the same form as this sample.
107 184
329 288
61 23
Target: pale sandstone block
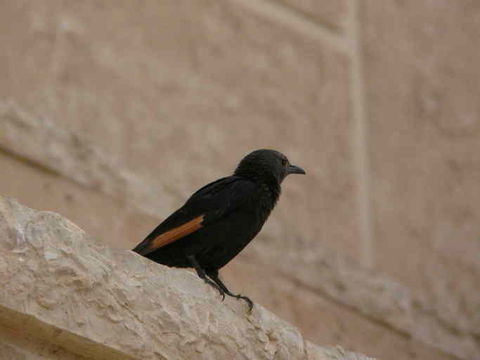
421 71
15 345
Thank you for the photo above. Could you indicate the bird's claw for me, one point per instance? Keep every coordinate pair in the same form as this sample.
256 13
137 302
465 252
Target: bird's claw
222 293
247 300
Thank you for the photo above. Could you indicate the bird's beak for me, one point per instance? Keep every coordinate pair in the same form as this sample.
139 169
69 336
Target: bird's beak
292 169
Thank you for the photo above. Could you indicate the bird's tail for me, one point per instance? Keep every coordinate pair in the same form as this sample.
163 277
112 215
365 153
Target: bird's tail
142 247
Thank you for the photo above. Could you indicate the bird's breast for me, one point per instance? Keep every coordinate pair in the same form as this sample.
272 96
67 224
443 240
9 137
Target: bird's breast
267 199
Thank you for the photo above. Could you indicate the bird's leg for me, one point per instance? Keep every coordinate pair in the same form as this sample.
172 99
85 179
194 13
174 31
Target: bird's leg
213 274
201 274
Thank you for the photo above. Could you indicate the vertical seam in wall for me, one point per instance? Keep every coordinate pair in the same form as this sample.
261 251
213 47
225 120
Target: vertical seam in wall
360 136
297 21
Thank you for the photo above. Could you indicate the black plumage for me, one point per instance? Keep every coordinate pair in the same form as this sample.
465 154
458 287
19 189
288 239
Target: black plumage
220 219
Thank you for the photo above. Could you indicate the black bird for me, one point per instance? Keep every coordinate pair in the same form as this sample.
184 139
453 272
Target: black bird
220 219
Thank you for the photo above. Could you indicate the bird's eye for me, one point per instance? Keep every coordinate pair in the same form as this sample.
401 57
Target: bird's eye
284 162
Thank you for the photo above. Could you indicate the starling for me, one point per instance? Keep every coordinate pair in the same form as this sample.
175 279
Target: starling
220 219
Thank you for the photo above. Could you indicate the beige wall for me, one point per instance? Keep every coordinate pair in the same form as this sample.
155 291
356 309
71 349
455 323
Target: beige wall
113 112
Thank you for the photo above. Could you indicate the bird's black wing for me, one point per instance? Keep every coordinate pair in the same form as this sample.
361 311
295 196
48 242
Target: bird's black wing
206 206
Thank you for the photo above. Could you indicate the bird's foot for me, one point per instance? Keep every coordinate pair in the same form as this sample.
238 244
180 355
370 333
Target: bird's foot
213 284
247 300
238 296
215 281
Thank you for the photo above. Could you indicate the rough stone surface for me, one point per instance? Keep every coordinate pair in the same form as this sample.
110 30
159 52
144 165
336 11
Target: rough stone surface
424 140
15 345
62 288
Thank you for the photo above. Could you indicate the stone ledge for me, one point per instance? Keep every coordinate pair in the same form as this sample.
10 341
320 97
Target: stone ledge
63 289
61 151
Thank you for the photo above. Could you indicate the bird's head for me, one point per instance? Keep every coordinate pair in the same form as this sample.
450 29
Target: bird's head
267 164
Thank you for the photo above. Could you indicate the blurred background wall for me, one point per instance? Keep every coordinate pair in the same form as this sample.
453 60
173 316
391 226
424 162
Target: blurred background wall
113 112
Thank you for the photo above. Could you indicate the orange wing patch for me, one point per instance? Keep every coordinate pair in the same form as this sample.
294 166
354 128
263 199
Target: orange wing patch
176 233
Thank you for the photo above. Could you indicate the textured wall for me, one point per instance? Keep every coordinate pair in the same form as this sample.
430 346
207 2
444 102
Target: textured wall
112 112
